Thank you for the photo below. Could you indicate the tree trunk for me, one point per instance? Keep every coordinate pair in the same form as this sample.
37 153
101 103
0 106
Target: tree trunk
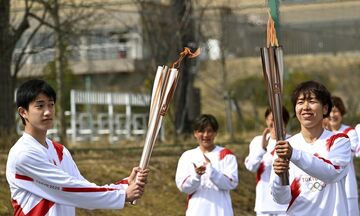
7 108
60 68
183 114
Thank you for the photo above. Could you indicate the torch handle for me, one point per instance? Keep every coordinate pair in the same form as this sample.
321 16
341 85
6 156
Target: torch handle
272 63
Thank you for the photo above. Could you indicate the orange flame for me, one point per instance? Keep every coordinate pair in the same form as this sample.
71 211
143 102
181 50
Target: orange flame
271 39
185 52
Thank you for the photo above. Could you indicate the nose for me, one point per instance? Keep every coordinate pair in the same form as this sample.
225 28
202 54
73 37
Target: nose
306 105
206 133
49 110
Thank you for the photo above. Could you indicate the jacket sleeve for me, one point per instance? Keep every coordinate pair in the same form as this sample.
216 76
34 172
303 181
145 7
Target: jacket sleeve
354 139
256 153
228 178
357 149
328 170
187 180
281 194
43 178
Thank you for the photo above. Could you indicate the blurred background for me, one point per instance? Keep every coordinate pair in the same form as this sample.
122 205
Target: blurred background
101 57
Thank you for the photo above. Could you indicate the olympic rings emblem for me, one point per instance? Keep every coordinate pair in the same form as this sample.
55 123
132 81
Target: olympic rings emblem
316 186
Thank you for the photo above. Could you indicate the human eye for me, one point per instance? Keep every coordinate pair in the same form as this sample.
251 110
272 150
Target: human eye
314 101
39 106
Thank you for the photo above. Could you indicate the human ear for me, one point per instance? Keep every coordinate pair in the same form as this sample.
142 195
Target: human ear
325 109
194 134
22 112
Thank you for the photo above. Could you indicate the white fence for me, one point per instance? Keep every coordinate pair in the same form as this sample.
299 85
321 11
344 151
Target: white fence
111 123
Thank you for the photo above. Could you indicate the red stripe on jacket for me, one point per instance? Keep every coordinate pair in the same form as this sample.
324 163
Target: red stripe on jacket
346 131
59 150
22 177
122 181
188 197
225 152
327 161
89 189
260 171
331 140
41 209
295 191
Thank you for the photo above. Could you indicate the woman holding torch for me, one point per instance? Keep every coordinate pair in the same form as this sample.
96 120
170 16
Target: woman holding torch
316 158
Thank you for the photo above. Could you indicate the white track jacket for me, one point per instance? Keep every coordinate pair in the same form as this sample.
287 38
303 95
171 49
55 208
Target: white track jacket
46 181
350 180
260 161
209 194
317 176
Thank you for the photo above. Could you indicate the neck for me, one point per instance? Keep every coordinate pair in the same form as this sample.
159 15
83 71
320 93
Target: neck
335 127
311 135
40 136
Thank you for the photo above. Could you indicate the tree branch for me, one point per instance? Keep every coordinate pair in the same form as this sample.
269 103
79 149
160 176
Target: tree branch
24 24
40 20
20 59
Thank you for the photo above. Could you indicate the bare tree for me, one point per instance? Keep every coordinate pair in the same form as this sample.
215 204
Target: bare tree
166 29
77 18
67 20
10 34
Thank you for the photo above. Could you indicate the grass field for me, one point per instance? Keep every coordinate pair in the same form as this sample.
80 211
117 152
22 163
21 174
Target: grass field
161 198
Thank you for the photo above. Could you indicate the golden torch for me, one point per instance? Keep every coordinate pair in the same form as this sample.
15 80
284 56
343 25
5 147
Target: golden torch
163 90
273 70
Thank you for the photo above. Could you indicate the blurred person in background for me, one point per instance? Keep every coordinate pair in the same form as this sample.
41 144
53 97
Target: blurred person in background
43 177
335 124
208 172
357 151
317 159
260 159
326 123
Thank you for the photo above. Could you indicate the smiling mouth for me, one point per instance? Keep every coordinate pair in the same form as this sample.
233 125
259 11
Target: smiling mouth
206 141
307 114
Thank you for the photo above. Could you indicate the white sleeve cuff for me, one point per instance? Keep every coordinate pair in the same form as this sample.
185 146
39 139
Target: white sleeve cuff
295 156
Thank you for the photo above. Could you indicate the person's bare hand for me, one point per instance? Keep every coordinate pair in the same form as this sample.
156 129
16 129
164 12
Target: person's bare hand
137 181
265 139
207 160
283 149
134 192
136 173
280 166
200 170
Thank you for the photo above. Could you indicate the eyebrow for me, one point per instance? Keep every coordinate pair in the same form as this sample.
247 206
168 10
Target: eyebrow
43 101
303 97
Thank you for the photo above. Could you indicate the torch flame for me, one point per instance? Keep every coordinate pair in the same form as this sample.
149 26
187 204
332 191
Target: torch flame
271 39
185 52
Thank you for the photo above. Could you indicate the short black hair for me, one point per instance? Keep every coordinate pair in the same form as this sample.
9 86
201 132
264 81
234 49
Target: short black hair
285 114
338 103
205 120
319 90
29 90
